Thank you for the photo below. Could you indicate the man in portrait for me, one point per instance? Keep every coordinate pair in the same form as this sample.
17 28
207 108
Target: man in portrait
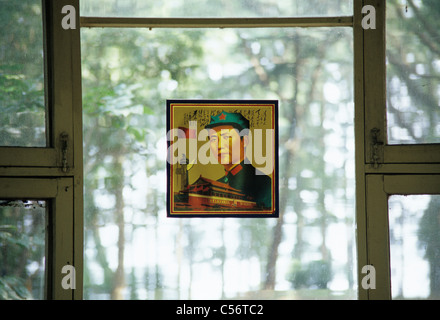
229 137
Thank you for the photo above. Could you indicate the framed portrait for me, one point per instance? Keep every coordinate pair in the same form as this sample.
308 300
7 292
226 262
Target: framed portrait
222 158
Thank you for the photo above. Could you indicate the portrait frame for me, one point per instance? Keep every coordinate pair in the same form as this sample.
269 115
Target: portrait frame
222 158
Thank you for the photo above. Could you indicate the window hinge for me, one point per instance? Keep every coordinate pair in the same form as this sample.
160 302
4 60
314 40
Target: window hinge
376 148
64 140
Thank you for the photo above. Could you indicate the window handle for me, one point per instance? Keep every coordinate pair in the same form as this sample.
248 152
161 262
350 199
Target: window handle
376 148
64 141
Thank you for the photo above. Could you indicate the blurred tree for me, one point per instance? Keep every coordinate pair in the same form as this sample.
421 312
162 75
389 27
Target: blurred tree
413 77
22 249
429 239
137 68
128 74
119 124
315 274
22 123
22 108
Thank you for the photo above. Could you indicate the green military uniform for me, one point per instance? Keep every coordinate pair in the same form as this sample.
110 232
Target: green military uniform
256 187
254 184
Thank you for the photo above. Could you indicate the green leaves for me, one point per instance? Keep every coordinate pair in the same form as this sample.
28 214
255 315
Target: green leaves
18 93
6 232
13 288
313 274
137 133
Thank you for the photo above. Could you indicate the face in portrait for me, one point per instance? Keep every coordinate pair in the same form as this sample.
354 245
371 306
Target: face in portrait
227 145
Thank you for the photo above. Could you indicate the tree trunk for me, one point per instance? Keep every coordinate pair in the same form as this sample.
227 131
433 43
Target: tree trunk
119 278
292 144
278 229
273 254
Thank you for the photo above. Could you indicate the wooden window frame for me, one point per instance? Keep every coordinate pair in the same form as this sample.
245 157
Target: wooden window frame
55 172
60 248
380 167
379 188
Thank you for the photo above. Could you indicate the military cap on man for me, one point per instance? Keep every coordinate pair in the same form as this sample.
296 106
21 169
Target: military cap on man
224 118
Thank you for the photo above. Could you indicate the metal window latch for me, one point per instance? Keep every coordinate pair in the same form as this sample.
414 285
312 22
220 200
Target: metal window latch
63 140
376 148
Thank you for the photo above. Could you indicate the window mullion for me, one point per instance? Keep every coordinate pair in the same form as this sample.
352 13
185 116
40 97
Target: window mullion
114 22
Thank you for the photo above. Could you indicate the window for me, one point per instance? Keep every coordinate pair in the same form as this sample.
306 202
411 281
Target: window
403 222
40 151
385 155
23 234
310 71
23 112
358 139
37 237
414 246
413 69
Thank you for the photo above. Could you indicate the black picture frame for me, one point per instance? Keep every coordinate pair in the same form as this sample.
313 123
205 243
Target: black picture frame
222 158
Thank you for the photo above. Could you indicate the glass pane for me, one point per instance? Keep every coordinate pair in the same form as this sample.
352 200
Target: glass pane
22 249
413 71
216 8
132 250
22 107
415 246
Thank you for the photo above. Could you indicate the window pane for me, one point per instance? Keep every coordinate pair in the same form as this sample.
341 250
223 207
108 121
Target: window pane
216 8
132 250
415 246
22 249
413 71
22 107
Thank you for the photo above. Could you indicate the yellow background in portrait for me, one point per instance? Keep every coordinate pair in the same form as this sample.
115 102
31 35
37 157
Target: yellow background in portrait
260 116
